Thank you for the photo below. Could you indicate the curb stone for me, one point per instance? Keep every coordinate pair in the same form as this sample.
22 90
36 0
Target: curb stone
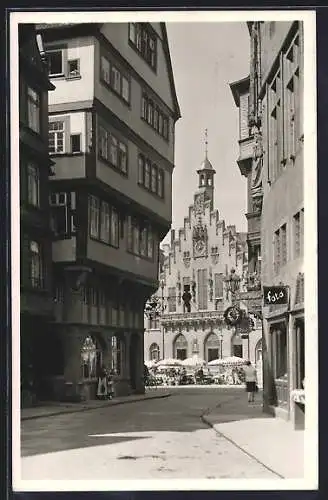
89 408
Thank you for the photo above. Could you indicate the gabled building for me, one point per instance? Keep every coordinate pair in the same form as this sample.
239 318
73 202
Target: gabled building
111 135
36 236
271 156
200 261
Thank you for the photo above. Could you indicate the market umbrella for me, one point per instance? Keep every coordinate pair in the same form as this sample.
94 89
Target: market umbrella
194 361
150 363
233 361
169 362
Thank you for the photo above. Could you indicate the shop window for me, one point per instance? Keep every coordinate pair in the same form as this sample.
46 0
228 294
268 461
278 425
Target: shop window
76 143
299 354
91 358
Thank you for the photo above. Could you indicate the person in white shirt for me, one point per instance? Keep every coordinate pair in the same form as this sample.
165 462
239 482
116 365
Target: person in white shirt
250 379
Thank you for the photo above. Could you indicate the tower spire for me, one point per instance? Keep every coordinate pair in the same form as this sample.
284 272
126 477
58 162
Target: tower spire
206 143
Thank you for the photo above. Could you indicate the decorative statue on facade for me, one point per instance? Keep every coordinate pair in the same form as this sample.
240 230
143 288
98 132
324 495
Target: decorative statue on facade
199 237
186 297
257 166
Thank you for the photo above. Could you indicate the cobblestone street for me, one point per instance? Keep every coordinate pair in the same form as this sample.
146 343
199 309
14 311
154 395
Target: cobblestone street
155 439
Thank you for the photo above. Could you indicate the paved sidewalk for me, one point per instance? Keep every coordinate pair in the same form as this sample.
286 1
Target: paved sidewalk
49 409
272 441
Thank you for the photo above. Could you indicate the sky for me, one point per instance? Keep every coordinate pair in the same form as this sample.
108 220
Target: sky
206 57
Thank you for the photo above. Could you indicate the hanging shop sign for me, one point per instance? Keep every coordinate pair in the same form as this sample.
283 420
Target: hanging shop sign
275 295
232 315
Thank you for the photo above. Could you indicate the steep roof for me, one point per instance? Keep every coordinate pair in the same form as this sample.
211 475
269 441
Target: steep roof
166 49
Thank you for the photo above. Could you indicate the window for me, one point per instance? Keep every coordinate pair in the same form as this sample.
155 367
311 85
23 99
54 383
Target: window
73 67
279 351
154 179
56 137
212 347
160 183
143 39
140 238
122 157
280 248
154 117
33 184
36 265
116 355
113 150
202 289
103 143
275 129
277 252
125 89
147 174
299 233
218 285
150 243
91 358
129 234
59 215
171 299
105 69
114 227
105 222
143 242
180 347
94 217
55 63
283 231
154 352
76 143
33 109
292 98
114 78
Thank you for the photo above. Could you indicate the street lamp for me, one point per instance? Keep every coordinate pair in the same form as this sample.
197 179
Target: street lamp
233 283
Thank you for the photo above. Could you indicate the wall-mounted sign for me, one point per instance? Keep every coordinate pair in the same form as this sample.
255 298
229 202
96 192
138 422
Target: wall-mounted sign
275 295
232 315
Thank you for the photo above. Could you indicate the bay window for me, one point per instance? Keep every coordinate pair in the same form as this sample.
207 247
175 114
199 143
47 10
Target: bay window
33 184
33 109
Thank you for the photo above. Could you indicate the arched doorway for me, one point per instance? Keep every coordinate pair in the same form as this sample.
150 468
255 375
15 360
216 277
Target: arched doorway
180 347
154 352
211 347
91 357
133 356
237 346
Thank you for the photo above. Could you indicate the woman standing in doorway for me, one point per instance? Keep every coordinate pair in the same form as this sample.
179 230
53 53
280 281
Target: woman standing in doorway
250 379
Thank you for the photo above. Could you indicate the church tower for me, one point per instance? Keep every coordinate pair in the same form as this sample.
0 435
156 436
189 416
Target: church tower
206 178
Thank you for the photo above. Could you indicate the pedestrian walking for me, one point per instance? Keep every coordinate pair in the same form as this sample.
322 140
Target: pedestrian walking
251 380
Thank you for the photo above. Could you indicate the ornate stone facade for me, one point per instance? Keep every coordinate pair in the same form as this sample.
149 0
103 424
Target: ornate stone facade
194 288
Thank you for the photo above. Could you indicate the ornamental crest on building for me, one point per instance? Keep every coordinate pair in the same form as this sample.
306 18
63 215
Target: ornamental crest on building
200 240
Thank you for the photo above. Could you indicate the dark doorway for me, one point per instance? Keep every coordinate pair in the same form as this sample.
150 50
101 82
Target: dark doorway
212 354
181 354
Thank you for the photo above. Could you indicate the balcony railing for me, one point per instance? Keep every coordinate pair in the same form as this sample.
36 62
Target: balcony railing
192 315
